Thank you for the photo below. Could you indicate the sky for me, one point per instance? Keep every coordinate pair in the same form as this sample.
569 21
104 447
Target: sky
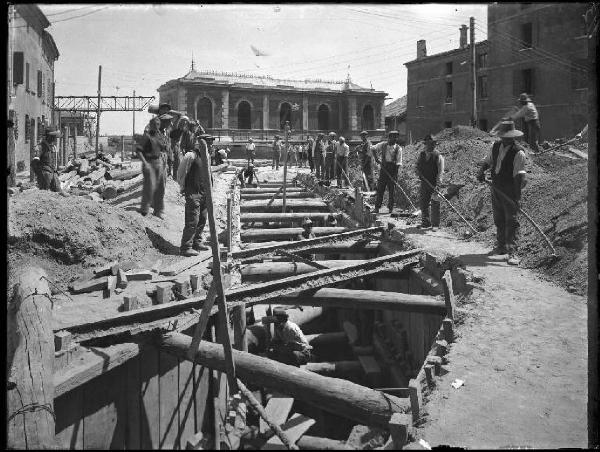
142 46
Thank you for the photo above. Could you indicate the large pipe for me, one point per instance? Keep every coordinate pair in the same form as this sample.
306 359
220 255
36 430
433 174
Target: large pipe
277 205
275 270
343 398
274 234
296 195
286 217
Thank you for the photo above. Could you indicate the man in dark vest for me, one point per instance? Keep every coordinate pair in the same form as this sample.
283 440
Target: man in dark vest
330 149
506 161
390 161
365 155
44 168
318 156
152 151
430 166
194 190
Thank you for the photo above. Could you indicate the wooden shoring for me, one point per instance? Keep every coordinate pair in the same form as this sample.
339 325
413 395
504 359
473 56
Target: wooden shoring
297 258
273 234
286 217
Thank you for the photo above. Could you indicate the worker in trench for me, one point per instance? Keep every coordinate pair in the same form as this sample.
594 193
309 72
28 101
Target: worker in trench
365 155
506 161
307 233
276 152
390 162
430 166
289 345
194 191
330 152
532 121
44 164
246 176
152 151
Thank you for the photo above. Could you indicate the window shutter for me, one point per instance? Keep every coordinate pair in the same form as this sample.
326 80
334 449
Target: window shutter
18 63
39 83
27 76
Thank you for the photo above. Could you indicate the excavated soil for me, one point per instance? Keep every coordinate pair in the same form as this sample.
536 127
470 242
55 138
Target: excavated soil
555 198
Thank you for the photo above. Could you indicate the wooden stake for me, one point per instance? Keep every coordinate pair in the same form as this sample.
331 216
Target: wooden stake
238 318
448 294
229 223
215 396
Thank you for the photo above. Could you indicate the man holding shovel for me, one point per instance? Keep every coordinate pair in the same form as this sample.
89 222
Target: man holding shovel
430 166
506 161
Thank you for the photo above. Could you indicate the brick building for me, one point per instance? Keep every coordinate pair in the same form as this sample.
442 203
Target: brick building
30 81
537 48
395 116
239 105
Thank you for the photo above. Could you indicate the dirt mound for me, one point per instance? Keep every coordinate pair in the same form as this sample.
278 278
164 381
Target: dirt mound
461 133
67 235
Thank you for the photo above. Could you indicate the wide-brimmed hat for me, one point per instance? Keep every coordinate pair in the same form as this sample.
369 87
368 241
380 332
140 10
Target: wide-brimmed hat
523 97
332 134
506 129
206 136
393 132
250 140
307 222
280 313
184 118
52 131
364 132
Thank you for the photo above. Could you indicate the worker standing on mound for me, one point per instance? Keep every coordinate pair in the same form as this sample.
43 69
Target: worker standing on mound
430 166
506 161
289 344
47 178
532 121
190 181
152 150
390 161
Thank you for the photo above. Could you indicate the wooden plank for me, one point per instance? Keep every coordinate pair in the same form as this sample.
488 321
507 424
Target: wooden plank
290 217
201 391
274 234
399 425
111 269
448 294
133 403
186 402
89 285
294 428
150 401
69 420
169 406
278 409
296 195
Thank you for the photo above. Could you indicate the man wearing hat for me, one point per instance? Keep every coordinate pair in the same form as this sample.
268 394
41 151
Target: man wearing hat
176 136
250 151
190 181
310 150
47 178
246 176
318 157
342 152
532 120
276 155
331 221
152 150
506 161
365 154
308 233
289 344
390 161
430 166
330 151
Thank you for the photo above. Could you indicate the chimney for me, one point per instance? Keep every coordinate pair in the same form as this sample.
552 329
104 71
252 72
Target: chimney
421 49
463 36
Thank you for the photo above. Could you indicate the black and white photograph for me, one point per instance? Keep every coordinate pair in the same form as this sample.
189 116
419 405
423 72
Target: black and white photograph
302 226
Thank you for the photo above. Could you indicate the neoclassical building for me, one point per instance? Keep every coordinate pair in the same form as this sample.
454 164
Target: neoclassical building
228 102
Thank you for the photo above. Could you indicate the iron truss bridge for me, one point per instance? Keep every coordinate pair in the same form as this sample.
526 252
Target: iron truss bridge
107 103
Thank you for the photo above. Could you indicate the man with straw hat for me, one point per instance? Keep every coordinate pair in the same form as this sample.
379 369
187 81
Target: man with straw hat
390 161
532 120
506 161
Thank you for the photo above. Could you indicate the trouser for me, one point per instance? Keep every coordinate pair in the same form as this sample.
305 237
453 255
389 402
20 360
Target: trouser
505 218
275 161
48 179
425 201
286 355
387 178
310 161
318 162
342 171
367 169
532 133
153 191
329 159
176 161
250 157
195 220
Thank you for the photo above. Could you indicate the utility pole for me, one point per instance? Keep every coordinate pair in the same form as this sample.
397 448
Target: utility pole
133 129
98 111
473 75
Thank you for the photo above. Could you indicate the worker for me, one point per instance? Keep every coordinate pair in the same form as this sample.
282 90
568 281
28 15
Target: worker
250 151
365 155
506 161
276 152
430 166
289 344
342 152
190 182
532 121
310 149
318 156
44 165
223 154
330 151
331 221
152 150
176 136
390 161
246 176
307 233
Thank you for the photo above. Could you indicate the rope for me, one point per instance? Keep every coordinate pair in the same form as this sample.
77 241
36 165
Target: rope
30 408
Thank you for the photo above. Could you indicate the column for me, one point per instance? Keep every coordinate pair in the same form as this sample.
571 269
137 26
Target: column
382 115
352 120
225 109
265 111
305 113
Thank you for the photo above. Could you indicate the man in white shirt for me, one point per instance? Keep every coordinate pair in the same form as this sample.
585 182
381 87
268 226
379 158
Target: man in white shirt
532 121
506 161
389 155
289 344
342 152
250 148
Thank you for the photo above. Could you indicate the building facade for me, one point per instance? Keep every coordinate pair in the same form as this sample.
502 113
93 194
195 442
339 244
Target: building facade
30 82
395 116
536 48
226 103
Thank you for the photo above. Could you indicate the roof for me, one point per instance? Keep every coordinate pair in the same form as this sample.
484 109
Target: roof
33 15
396 107
448 52
50 46
234 79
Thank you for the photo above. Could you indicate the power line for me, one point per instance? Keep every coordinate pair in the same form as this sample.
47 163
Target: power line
68 18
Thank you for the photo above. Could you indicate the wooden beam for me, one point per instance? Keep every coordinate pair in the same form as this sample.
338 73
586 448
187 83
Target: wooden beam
361 404
273 234
349 370
337 339
448 294
296 258
296 204
30 362
310 244
278 409
285 217
296 195
294 428
270 190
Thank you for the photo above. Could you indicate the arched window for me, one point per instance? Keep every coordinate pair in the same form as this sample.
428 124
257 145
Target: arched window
368 118
244 115
285 114
204 110
323 117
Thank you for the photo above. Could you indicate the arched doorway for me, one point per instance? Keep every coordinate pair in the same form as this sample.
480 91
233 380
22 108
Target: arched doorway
323 117
204 109
368 118
244 115
285 114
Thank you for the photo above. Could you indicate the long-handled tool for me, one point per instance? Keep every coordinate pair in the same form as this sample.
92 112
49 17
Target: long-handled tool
507 198
416 212
553 148
437 192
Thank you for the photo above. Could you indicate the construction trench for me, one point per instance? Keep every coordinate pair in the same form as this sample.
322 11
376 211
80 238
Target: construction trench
378 314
